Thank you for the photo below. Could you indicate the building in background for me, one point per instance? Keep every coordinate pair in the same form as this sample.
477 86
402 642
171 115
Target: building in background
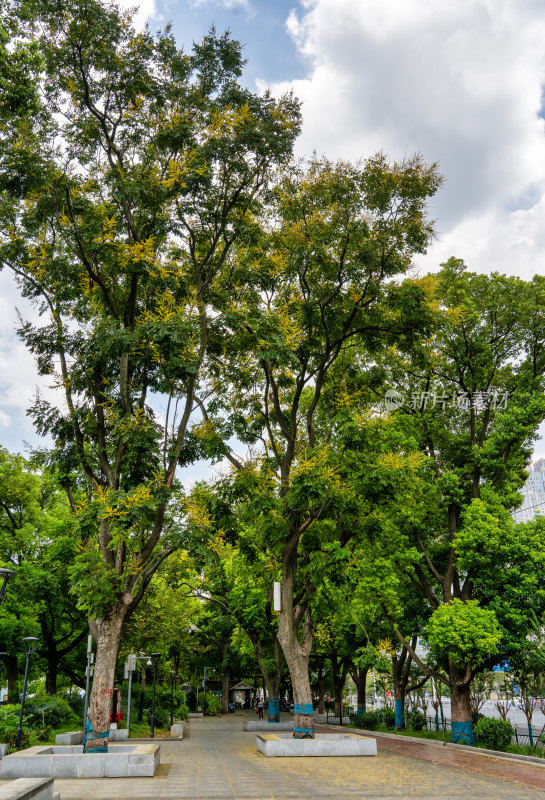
533 492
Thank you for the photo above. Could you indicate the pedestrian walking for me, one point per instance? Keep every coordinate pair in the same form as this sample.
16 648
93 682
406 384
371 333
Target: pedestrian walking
260 709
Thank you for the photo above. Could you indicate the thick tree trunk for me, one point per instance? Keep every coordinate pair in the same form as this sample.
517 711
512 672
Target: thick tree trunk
107 631
460 709
399 707
360 679
51 673
339 680
225 678
295 652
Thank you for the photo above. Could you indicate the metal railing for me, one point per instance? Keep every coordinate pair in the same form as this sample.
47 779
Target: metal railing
521 735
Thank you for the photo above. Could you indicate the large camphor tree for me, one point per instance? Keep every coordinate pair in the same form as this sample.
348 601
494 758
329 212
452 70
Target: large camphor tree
120 200
316 279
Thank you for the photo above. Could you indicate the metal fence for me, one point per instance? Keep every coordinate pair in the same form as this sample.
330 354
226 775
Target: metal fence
521 736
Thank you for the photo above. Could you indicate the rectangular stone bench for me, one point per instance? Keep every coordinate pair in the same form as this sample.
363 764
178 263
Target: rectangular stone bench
28 789
177 730
121 761
195 714
4 749
325 744
263 725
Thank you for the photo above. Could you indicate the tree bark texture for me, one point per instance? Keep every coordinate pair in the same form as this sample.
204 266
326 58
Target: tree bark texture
108 638
296 653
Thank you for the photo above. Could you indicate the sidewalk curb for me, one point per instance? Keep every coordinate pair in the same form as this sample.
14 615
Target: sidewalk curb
479 751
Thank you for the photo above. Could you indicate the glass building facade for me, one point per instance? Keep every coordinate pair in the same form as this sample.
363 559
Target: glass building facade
534 494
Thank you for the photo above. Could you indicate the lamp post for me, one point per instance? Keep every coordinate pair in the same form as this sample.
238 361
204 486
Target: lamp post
31 643
173 676
152 662
5 575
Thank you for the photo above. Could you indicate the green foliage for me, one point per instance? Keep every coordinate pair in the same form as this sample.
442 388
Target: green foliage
368 720
387 717
212 705
9 720
52 711
161 716
463 632
494 734
415 720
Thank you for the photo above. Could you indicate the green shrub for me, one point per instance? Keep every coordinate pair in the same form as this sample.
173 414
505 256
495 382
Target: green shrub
9 719
415 720
212 705
162 717
476 716
49 711
387 717
182 711
368 720
495 734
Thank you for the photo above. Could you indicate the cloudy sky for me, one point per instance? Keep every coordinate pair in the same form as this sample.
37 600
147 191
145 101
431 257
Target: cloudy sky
462 83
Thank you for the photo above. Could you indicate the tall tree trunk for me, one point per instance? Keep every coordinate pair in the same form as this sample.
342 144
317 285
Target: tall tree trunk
339 680
359 676
51 673
399 707
142 694
460 709
107 633
296 653
271 679
225 678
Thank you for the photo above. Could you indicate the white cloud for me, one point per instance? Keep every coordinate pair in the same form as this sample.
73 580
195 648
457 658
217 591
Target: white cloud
147 9
230 5
462 84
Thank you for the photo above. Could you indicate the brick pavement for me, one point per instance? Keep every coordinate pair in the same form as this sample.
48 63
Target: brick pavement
220 762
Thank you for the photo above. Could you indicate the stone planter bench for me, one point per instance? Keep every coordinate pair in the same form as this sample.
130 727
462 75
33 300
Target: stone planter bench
76 737
28 789
177 730
263 725
121 761
325 744
195 714
4 750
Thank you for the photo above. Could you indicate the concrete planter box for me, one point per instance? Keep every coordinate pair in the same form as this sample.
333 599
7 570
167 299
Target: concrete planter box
325 744
121 761
76 737
69 739
195 714
263 725
28 789
177 730
4 750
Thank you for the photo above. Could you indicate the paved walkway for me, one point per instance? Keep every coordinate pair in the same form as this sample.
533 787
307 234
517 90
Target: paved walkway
219 761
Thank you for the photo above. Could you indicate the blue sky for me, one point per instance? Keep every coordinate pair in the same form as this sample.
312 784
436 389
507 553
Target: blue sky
462 83
271 53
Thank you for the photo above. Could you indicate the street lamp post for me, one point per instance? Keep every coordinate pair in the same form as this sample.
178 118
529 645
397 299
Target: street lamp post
5 575
31 643
152 662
